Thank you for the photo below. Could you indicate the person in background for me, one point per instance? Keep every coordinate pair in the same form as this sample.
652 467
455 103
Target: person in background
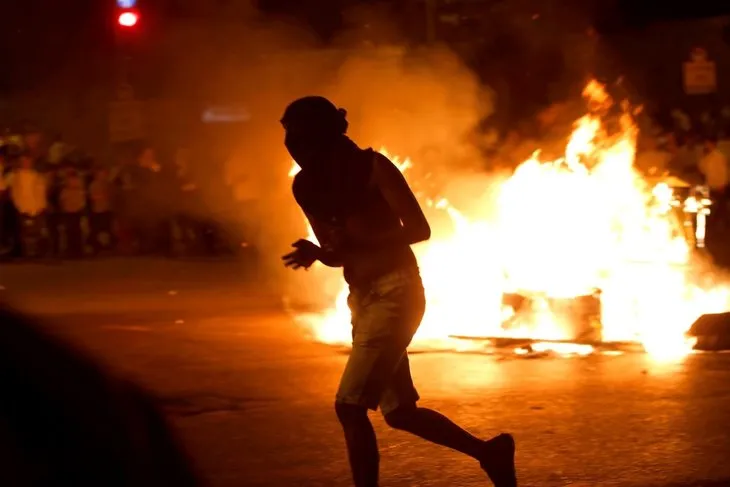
183 174
10 243
14 139
57 150
723 142
34 147
4 201
73 207
682 123
669 143
28 192
685 157
245 180
54 214
124 202
651 160
101 218
708 123
148 209
187 229
714 167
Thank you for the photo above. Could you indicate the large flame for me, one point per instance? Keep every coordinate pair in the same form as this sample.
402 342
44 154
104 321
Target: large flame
559 229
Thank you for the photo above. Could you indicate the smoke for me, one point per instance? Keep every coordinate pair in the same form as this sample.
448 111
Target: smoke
423 104
415 103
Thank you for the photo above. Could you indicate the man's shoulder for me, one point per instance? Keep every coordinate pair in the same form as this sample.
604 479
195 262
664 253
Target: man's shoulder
377 156
714 157
382 164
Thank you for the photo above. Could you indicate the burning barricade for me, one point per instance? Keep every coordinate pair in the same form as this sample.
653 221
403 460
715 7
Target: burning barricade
562 255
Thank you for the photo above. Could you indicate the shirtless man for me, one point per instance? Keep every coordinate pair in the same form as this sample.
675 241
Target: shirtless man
366 218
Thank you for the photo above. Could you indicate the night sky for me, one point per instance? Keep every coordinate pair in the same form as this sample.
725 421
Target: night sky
40 37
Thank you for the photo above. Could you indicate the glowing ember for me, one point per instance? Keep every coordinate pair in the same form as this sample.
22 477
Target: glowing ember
559 230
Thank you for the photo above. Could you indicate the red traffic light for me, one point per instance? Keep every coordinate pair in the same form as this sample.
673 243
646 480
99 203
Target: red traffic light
128 19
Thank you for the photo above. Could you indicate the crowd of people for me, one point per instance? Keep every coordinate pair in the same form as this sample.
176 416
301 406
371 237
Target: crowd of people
55 202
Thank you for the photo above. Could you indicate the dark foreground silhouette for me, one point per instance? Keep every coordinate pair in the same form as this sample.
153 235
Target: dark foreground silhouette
64 421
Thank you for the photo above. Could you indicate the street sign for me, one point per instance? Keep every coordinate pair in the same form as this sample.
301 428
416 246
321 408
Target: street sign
699 74
225 114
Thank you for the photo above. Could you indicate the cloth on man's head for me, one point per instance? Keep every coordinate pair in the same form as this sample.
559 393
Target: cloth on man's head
315 112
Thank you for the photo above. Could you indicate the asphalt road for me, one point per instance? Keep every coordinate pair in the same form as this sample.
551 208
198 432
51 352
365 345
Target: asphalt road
252 396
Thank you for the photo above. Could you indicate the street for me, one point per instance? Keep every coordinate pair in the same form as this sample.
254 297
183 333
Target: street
252 397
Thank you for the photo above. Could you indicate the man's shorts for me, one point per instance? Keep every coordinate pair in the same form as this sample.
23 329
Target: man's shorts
385 316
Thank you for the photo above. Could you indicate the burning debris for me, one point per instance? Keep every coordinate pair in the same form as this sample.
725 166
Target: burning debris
572 253
580 315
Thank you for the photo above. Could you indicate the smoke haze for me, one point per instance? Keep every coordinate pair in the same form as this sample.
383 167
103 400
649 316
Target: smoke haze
422 104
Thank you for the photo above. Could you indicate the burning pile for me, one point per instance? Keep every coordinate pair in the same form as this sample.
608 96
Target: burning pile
582 239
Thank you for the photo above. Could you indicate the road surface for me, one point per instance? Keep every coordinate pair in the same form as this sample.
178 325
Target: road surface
252 396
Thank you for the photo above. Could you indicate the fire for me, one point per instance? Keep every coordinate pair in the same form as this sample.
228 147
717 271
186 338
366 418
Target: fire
582 230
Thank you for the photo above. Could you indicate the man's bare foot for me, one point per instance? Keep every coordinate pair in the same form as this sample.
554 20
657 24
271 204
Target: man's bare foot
498 460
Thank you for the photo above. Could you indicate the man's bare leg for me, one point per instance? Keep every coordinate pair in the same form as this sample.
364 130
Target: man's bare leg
362 447
496 456
436 428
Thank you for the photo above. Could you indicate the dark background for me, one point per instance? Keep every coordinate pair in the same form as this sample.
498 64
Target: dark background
70 50
39 37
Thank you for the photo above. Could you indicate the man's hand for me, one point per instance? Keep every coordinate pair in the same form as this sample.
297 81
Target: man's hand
304 256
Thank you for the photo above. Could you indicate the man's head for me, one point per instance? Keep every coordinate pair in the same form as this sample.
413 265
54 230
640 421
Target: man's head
33 139
710 143
147 157
26 162
313 125
182 161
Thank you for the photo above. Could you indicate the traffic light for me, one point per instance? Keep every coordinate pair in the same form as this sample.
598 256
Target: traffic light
128 18
127 13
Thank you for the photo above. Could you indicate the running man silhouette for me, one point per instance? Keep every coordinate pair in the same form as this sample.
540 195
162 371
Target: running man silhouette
366 218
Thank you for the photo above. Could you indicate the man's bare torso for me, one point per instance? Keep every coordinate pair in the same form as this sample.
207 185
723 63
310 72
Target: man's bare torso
350 217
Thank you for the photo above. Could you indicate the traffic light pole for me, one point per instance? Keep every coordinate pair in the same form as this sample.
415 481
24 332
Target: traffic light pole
125 110
127 16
